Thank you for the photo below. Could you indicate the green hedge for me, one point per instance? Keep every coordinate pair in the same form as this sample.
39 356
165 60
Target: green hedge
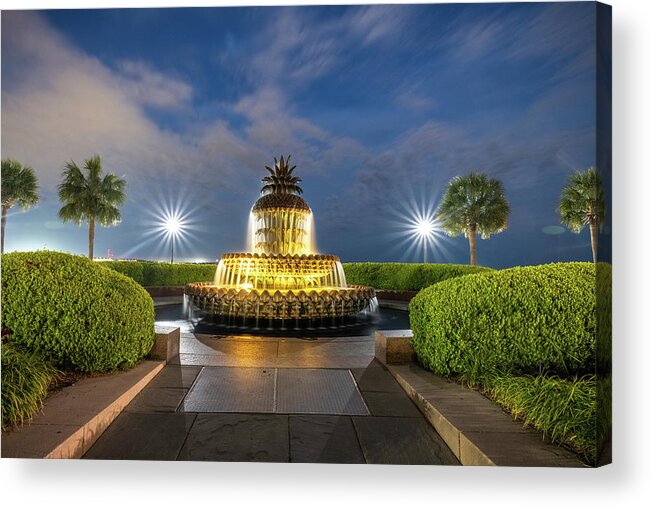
516 319
604 318
132 269
163 273
75 312
25 380
402 276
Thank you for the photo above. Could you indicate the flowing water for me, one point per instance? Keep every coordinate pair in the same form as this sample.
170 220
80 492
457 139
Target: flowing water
365 323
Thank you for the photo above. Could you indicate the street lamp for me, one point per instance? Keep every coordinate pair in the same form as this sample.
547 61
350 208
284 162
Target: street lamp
173 226
424 229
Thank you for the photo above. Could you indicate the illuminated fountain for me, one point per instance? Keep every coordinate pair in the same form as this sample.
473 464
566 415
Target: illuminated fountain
282 277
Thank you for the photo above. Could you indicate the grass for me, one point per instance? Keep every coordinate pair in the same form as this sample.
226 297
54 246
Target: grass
563 409
25 381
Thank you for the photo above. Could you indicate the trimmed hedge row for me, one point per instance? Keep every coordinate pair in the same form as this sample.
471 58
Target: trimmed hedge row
75 312
404 276
518 319
163 273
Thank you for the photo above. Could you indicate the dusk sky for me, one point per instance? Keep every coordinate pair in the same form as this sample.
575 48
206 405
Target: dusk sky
379 107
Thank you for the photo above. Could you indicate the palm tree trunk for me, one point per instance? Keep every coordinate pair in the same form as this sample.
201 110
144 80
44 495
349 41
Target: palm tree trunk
5 209
594 236
472 239
91 237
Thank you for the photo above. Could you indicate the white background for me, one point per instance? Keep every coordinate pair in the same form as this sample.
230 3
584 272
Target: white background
626 482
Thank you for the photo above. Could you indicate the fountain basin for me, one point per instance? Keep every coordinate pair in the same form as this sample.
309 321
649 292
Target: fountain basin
322 302
270 272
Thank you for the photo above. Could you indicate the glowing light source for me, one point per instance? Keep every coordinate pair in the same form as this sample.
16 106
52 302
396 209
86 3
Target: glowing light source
425 227
173 224
415 232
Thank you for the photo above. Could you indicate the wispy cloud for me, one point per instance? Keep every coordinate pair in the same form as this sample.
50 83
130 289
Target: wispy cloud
151 87
66 104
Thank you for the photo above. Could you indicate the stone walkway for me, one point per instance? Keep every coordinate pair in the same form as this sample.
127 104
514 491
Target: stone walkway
246 398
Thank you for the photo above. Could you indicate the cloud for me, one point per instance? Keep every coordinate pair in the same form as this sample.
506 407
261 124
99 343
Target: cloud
473 40
412 101
59 103
375 22
152 88
422 161
548 33
298 48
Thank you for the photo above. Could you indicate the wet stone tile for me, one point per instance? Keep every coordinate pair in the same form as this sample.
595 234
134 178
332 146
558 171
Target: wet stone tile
391 404
141 436
375 378
176 376
323 439
401 441
157 399
237 437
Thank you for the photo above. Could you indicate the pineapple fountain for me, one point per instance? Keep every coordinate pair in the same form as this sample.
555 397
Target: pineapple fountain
281 277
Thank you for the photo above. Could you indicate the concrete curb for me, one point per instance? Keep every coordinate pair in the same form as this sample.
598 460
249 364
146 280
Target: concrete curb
475 429
402 306
75 417
165 290
167 301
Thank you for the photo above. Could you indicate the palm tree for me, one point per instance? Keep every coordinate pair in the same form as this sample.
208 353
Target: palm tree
281 180
90 197
19 186
474 204
582 203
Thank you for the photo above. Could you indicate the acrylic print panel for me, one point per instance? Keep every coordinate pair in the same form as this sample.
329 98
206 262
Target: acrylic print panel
329 234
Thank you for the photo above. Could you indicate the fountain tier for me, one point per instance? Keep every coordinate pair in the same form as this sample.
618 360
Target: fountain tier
283 278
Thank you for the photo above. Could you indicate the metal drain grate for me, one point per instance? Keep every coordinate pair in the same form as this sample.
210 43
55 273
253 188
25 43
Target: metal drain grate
269 390
232 390
312 391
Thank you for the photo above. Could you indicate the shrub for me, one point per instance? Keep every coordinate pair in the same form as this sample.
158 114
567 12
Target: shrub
132 269
604 317
163 273
160 273
516 319
403 276
563 409
75 312
25 381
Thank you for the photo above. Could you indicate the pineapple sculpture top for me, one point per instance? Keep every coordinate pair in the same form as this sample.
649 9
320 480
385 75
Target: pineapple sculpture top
281 219
281 189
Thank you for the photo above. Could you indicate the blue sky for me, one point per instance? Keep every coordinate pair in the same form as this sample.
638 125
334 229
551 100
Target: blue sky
379 106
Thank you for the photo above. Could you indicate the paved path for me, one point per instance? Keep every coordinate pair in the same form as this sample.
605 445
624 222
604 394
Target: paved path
246 398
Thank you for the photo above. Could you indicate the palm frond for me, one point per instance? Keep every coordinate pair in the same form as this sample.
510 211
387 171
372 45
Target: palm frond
474 200
19 184
86 195
583 200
